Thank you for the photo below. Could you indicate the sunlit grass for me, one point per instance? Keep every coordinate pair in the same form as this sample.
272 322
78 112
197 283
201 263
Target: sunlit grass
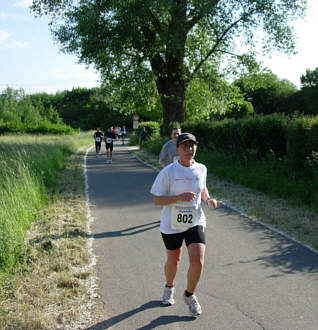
29 164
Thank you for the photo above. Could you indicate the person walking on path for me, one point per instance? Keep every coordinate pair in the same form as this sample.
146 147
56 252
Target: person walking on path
109 138
179 188
168 153
98 136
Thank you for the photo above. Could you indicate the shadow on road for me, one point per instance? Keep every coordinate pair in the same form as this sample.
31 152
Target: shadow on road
161 320
47 244
128 231
285 254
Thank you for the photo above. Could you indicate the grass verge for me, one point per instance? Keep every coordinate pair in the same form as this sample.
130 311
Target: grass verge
29 165
50 285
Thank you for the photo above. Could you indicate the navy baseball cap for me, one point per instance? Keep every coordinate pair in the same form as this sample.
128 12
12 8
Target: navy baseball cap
186 137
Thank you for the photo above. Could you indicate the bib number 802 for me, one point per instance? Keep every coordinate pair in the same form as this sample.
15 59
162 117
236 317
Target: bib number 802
184 218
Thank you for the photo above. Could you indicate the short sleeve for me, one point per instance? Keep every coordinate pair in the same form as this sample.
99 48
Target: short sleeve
163 152
160 187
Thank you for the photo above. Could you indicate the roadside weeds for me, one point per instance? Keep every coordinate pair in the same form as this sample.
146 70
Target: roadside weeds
52 288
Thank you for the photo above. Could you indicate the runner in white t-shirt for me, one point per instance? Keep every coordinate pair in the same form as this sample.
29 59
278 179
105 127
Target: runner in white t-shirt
179 188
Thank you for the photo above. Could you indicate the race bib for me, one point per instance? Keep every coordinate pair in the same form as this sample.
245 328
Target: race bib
184 216
109 140
97 139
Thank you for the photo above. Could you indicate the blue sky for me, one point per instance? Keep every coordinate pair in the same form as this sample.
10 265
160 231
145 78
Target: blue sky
30 59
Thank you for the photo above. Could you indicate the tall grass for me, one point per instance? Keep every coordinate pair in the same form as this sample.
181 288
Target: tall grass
28 176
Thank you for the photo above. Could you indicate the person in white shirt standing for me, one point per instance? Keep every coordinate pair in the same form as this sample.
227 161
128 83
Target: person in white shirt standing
168 153
179 188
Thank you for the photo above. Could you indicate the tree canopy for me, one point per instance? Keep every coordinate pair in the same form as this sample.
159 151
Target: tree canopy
310 79
167 42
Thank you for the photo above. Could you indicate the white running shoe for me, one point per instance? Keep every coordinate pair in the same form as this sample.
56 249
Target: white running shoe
168 294
110 161
194 306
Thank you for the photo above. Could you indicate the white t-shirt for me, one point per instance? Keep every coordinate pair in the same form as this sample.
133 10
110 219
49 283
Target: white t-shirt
175 179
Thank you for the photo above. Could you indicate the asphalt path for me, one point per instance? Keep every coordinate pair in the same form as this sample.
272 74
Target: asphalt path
253 278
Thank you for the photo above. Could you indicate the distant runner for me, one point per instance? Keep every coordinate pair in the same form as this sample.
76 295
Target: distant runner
168 153
179 188
123 134
98 136
109 138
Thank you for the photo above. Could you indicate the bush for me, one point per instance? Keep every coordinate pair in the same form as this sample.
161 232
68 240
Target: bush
303 143
265 134
42 128
259 134
154 144
239 109
152 128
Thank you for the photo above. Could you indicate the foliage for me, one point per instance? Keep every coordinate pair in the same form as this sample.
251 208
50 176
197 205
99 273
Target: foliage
154 145
165 42
310 79
266 92
304 101
25 113
41 128
90 108
210 96
303 144
256 135
152 128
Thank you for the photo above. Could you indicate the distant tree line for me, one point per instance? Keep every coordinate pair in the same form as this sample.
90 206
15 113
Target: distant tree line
209 97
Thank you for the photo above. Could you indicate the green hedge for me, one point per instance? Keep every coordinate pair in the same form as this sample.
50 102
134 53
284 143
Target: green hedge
41 128
152 128
303 143
258 134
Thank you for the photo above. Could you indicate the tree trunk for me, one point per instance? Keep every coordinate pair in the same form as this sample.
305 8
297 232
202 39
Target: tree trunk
170 71
172 94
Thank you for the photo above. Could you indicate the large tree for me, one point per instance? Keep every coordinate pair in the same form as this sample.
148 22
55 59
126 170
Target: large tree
166 41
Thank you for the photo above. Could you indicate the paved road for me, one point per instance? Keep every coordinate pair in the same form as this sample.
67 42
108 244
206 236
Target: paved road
253 278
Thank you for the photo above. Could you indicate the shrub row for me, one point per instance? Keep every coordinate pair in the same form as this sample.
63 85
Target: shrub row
42 128
259 135
152 128
302 138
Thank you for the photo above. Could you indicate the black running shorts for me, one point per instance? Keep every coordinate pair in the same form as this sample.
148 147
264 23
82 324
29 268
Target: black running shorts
109 146
193 235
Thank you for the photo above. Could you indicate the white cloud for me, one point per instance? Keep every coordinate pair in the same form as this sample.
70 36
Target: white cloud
19 44
75 73
17 18
3 15
6 43
4 36
23 3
